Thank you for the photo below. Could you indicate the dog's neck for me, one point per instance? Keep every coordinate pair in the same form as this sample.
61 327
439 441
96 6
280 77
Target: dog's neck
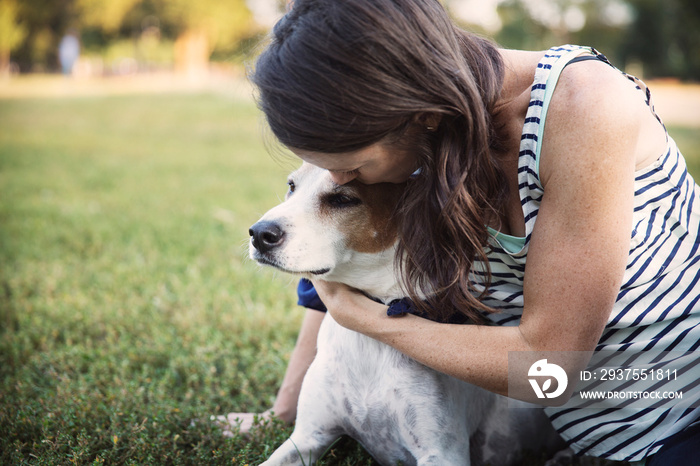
374 274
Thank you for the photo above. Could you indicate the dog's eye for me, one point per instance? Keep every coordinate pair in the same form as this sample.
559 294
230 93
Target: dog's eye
292 186
342 200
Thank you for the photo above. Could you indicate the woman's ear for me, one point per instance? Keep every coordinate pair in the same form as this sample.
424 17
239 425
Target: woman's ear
429 121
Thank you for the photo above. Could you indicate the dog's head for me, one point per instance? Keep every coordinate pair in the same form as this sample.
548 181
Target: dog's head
337 233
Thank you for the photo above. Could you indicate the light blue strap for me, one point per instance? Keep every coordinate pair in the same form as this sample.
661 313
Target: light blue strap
515 244
512 244
552 79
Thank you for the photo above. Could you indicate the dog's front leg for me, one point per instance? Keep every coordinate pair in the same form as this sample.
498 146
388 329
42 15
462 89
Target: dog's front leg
300 449
310 440
317 424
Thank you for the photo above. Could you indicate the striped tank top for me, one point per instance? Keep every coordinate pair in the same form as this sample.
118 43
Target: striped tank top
658 306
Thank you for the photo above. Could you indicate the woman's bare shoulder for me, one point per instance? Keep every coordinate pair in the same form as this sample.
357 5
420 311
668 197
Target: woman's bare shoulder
596 116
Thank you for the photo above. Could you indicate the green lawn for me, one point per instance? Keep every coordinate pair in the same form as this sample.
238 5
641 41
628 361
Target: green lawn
128 306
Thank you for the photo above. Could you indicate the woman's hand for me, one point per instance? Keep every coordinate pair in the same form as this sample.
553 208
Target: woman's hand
349 307
241 423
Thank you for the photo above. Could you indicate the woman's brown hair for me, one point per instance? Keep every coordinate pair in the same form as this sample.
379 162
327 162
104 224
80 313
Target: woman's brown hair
340 75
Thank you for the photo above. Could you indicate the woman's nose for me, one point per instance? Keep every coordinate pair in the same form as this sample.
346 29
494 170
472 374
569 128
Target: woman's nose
343 177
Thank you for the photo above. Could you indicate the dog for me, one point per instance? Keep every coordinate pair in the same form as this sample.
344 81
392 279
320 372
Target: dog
397 409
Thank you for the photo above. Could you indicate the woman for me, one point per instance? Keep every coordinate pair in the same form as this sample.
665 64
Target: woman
599 206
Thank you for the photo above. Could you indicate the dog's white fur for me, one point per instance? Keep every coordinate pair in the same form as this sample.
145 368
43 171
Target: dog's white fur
398 409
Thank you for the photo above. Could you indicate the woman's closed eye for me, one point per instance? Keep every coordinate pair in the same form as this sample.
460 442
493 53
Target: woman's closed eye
348 172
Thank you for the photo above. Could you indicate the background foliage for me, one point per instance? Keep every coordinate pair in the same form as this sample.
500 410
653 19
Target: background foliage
661 36
103 23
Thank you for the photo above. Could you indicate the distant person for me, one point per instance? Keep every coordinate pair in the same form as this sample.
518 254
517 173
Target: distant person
68 52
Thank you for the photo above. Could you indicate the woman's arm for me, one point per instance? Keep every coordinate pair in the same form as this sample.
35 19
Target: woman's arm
285 405
476 354
577 254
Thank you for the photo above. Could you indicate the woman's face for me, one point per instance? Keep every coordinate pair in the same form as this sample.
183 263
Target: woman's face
378 163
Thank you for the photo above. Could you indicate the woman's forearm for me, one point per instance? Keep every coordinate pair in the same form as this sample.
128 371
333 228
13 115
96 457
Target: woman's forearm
473 353
285 406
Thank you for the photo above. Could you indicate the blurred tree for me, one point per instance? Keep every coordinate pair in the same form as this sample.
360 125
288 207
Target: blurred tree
606 23
689 38
105 14
665 38
12 32
662 35
198 26
46 21
541 24
203 25
520 30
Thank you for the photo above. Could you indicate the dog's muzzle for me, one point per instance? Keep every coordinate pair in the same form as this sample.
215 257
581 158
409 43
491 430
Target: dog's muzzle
266 236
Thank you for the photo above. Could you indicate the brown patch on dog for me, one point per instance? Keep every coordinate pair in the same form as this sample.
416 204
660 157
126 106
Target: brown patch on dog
363 214
371 227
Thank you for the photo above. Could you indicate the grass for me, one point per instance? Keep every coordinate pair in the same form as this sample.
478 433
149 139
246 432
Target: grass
127 305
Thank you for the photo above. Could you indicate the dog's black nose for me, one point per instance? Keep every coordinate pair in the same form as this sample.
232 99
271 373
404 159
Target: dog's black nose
266 235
